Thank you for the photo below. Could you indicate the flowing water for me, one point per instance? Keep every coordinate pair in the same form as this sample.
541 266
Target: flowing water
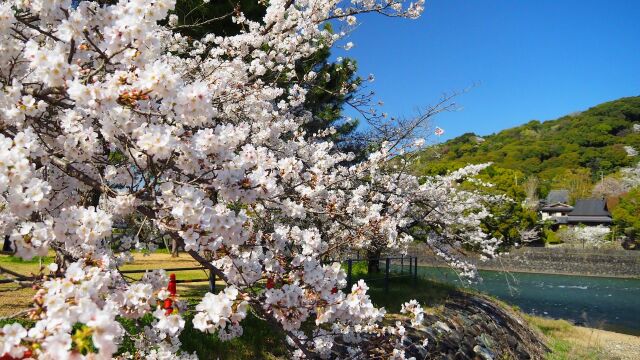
600 302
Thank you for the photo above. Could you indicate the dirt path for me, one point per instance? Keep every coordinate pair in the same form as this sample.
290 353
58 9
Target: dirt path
613 345
570 342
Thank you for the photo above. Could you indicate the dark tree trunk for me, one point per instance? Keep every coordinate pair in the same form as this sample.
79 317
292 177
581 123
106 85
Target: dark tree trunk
174 248
7 244
373 261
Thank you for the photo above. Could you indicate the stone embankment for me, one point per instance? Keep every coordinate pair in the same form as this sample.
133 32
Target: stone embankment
587 262
474 327
466 327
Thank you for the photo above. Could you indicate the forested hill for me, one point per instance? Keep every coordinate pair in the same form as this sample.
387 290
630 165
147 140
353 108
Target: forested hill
594 142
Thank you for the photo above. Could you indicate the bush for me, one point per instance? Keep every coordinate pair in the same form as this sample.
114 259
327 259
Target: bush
550 237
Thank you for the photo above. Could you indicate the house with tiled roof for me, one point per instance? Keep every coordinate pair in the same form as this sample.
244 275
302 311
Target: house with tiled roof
555 205
589 212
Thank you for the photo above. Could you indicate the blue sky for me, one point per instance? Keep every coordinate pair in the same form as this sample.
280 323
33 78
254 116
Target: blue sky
523 60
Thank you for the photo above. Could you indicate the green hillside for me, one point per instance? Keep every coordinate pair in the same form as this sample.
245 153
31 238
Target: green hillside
584 145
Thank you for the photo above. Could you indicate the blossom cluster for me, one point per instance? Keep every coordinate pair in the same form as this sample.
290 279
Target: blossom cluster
222 313
64 302
417 313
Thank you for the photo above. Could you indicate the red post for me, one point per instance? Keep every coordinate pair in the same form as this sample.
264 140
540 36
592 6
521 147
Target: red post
172 288
172 284
26 355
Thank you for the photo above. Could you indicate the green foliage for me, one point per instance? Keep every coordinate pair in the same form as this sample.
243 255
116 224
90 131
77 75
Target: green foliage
577 181
116 157
507 220
572 152
81 337
583 145
550 237
46 260
508 217
504 181
359 269
259 340
626 215
193 12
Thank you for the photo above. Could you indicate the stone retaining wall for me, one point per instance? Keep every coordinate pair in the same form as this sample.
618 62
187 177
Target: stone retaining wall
592 262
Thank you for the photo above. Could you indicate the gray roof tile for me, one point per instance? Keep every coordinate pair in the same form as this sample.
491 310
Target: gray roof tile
590 207
558 196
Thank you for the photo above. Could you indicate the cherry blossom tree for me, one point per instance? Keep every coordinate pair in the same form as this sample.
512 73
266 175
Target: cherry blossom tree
609 186
631 176
586 236
109 116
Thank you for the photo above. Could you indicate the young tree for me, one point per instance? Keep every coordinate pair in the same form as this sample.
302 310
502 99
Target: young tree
512 220
608 187
107 114
531 190
577 181
631 176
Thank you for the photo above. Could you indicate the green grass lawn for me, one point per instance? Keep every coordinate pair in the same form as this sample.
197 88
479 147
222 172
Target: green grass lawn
260 341
25 267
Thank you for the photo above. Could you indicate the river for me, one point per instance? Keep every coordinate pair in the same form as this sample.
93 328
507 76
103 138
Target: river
599 302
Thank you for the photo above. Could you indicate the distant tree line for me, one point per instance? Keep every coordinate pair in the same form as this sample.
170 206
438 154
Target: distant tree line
592 154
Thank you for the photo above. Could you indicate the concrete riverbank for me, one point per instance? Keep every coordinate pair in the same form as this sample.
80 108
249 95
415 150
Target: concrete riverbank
585 262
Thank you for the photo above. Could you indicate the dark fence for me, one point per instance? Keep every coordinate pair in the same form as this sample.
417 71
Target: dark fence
18 278
211 279
394 267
